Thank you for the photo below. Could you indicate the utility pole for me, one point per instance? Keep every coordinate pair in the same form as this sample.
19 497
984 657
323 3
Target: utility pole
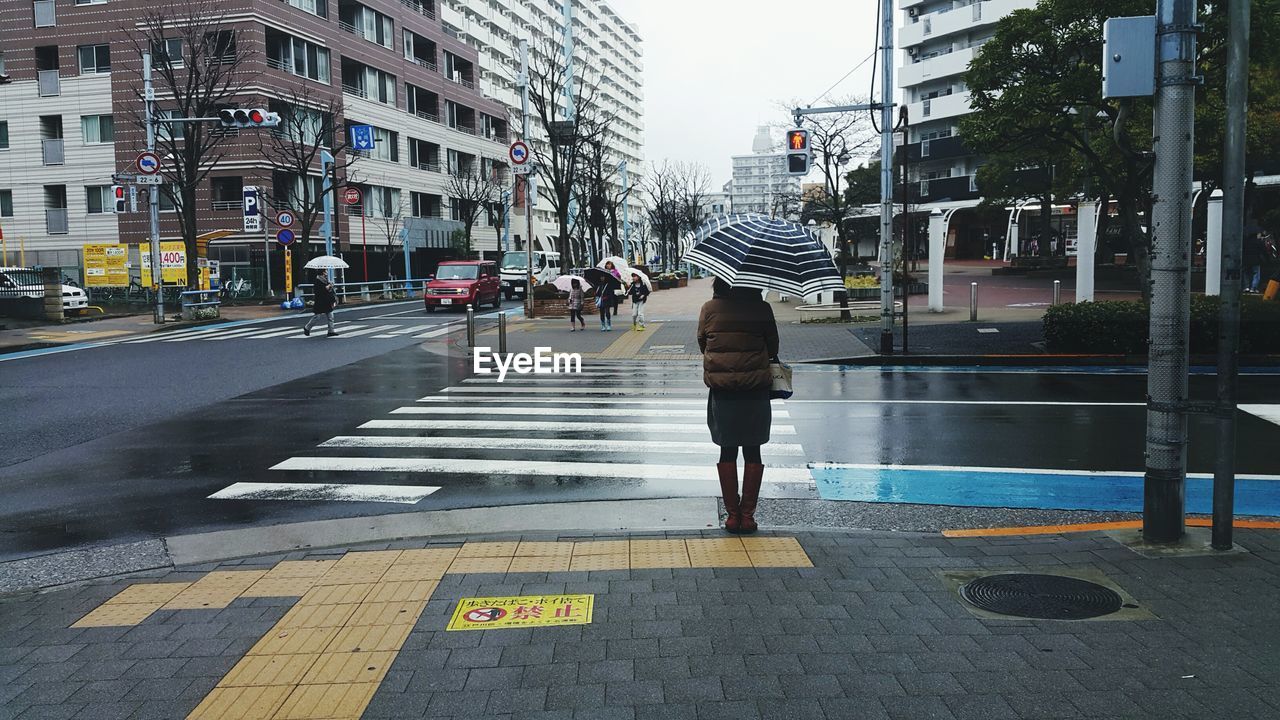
530 179
1164 484
157 272
1224 470
626 225
570 110
886 178
327 165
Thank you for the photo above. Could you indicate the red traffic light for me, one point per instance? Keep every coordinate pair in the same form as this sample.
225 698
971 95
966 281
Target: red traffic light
119 191
797 139
256 116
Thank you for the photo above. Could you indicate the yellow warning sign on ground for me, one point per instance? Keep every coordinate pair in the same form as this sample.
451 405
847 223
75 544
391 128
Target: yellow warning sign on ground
510 612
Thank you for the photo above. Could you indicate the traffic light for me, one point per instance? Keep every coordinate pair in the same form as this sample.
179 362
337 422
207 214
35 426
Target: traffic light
247 118
798 153
121 198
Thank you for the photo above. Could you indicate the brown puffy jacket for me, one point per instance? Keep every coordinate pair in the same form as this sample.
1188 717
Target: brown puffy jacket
738 337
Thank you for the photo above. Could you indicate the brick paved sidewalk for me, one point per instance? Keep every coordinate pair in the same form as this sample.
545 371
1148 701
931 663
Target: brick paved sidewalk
873 629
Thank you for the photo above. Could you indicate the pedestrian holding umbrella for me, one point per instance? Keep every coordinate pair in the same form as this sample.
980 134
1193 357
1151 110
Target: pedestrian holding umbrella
605 284
757 251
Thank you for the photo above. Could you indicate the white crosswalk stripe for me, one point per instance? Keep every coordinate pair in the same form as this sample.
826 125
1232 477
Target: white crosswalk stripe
391 331
607 428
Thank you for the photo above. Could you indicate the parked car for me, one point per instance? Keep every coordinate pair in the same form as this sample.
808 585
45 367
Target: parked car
515 268
19 282
462 283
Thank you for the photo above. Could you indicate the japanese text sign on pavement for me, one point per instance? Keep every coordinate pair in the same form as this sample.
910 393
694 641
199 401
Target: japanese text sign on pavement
512 612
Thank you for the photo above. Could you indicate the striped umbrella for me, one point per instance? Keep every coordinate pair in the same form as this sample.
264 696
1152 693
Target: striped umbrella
749 250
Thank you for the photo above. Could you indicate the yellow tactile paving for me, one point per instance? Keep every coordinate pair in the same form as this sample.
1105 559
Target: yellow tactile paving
715 545
488 550
337 594
327 702
653 560
719 559
780 559
279 587
262 670
401 591
375 557
305 616
599 562
602 547
428 556
349 667
415 571
646 547
241 703
386 613
544 549
539 564
352 575
192 599
369 638
116 615
777 544
299 569
295 641
480 565
148 594
220 579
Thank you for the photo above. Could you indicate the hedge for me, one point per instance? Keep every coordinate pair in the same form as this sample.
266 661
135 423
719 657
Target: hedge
1122 327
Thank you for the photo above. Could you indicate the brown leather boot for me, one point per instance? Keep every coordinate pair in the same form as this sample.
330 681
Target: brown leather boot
728 472
752 476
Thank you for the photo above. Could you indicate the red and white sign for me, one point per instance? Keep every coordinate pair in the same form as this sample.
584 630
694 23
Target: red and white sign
483 615
351 196
148 163
519 153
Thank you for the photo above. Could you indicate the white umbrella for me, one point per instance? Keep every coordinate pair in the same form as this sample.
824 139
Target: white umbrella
628 272
618 263
326 262
565 283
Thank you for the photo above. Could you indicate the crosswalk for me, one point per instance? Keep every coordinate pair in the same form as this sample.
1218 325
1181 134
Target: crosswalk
616 430
345 330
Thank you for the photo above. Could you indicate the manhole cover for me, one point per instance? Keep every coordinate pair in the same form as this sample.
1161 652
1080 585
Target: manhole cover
1047 597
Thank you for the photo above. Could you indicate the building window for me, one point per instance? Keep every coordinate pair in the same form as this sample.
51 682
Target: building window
167 52
97 129
4 134
319 8
91 2
169 132
168 202
98 199
386 145
94 59
6 203
298 56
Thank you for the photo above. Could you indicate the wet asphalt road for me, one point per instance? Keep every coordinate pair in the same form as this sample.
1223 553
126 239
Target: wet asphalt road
115 444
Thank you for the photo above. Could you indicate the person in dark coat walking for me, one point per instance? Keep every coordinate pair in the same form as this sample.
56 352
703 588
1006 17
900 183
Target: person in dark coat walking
323 304
638 294
738 338
605 302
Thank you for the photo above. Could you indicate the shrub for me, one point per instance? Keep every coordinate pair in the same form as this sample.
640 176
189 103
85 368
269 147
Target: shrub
1123 327
862 281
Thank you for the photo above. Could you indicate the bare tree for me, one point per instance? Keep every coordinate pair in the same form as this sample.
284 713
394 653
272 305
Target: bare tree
309 126
471 191
676 196
391 226
198 68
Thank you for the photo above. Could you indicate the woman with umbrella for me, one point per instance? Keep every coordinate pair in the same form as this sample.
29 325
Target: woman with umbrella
323 305
739 338
605 283
576 287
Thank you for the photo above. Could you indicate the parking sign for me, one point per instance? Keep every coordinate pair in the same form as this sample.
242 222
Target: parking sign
252 209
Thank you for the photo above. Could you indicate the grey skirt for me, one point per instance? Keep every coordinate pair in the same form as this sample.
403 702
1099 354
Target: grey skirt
739 418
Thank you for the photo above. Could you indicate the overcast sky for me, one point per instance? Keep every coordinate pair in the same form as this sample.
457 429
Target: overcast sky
715 69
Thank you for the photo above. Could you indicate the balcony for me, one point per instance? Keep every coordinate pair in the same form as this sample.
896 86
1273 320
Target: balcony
46 16
48 83
937 149
457 78
947 22
429 167
55 221
937 67
223 205
51 150
353 90
420 7
962 187
939 108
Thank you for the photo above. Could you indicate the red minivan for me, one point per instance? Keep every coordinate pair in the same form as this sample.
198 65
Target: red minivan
462 283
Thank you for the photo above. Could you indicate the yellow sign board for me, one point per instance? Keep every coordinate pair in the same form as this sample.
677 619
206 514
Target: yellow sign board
173 262
513 612
288 272
106 265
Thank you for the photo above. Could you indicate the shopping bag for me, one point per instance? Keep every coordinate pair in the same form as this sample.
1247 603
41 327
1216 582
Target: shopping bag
781 388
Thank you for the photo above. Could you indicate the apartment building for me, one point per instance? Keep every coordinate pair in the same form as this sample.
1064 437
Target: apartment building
760 181
607 53
69 99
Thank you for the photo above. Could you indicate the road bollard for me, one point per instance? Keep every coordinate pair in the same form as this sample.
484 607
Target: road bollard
1057 292
502 333
471 326
973 302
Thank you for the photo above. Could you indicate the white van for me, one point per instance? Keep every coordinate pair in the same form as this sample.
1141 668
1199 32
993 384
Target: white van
546 267
19 282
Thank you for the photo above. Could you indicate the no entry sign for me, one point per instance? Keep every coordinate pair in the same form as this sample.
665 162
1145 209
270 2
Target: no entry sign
351 196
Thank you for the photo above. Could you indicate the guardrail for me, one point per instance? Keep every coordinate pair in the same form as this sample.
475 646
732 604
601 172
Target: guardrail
368 291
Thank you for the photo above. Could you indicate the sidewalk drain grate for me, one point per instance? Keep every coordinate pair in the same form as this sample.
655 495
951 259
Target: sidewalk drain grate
1046 597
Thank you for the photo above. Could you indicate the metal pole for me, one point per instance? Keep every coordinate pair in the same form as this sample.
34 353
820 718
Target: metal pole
364 242
1166 444
506 216
502 333
408 266
157 272
530 181
886 178
626 224
1057 292
327 165
266 255
973 302
471 326
1224 470
907 248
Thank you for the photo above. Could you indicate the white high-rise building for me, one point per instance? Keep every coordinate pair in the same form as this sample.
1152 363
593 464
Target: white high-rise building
760 180
607 53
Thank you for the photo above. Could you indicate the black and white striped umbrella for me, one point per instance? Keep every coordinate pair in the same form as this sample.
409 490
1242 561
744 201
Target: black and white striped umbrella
750 250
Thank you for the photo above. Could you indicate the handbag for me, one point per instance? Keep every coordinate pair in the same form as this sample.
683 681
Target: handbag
781 372
599 301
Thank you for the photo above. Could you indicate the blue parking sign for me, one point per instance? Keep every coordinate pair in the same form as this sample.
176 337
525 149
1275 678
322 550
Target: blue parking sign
362 137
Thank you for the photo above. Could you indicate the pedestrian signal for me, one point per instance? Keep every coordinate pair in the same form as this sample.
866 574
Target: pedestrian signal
247 118
798 153
120 196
